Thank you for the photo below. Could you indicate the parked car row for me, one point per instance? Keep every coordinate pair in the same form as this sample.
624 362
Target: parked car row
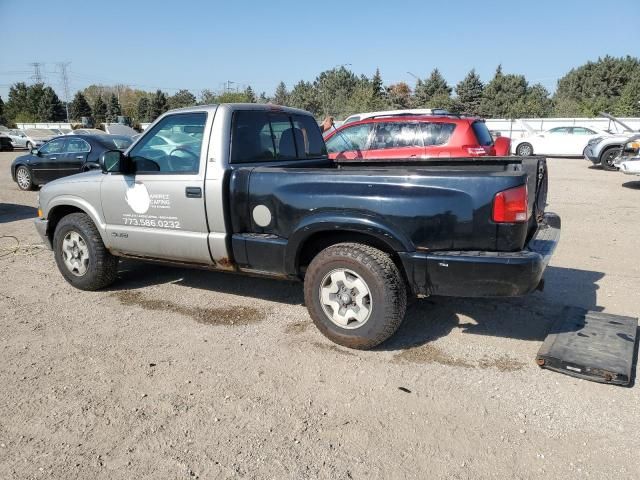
63 156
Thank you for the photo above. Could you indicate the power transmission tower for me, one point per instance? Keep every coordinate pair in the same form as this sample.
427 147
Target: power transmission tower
64 78
37 73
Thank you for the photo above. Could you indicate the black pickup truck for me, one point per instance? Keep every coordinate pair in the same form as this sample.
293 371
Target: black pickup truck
249 188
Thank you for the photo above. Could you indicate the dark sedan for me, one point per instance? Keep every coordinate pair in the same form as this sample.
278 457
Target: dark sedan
63 156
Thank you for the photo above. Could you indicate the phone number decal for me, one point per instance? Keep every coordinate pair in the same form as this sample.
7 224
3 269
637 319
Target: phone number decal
151 221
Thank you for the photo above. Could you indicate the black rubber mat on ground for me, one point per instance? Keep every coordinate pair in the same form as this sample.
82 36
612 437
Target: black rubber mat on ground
591 345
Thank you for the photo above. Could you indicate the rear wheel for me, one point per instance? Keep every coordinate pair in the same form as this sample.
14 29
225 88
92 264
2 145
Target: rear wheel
608 157
355 295
81 255
24 179
524 150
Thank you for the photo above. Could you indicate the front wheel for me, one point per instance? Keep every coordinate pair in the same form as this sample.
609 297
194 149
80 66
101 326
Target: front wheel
608 157
355 294
81 256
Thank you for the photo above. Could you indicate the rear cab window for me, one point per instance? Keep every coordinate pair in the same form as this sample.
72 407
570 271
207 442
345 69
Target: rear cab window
482 134
259 136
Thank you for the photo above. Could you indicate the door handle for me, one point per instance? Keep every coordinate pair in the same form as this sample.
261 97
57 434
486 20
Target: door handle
53 158
193 192
79 157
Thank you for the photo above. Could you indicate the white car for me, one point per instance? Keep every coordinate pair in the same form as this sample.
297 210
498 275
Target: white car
561 141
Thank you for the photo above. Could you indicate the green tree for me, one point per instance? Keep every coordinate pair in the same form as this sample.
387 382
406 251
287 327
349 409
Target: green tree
207 97
377 87
537 102
433 89
281 95
263 98
305 96
250 95
79 107
504 96
17 107
335 87
182 98
3 119
99 110
469 91
628 104
596 86
143 110
113 109
158 106
50 108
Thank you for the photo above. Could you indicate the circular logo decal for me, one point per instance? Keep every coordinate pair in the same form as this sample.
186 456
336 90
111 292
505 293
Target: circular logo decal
261 215
138 198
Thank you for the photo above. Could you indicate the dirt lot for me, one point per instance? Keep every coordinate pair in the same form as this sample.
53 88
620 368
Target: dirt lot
182 374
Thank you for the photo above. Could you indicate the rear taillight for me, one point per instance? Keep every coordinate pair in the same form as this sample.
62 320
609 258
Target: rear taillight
510 206
475 151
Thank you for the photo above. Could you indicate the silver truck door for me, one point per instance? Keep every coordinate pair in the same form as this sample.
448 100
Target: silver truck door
159 210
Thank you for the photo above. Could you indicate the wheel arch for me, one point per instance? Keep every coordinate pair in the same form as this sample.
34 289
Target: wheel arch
315 234
64 206
606 149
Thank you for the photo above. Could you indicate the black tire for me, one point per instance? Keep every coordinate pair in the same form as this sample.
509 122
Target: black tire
524 150
29 146
26 182
608 156
101 267
388 295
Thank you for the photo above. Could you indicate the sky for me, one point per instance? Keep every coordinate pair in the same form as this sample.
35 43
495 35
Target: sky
197 44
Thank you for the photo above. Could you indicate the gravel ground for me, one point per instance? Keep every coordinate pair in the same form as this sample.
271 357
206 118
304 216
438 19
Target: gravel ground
175 373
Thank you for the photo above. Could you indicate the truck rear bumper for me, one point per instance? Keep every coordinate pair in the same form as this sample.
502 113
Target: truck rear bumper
484 274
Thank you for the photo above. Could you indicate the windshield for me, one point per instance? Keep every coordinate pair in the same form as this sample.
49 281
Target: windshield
121 143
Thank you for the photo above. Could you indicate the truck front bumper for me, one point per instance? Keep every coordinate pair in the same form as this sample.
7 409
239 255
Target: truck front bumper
42 226
484 274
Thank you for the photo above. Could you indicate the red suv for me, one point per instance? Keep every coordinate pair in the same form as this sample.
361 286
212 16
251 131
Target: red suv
419 136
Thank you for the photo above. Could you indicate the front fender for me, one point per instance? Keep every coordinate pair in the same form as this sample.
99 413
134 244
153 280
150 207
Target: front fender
331 222
80 203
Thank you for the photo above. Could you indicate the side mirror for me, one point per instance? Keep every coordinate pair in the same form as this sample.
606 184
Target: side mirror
34 151
114 161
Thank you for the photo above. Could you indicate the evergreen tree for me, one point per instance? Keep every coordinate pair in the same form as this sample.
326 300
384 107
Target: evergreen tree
17 107
250 96
99 110
182 98
376 85
113 109
143 110
50 108
335 87
537 102
79 107
158 105
263 98
469 92
628 104
504 96
3 119
304 96
434 86
281 95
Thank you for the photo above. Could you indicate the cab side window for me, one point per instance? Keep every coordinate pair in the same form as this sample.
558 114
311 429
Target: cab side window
263 137
54 146
172 147
396 135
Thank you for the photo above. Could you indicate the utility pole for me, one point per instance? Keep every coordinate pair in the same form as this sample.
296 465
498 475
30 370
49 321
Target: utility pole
228 87
37 73
64 78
